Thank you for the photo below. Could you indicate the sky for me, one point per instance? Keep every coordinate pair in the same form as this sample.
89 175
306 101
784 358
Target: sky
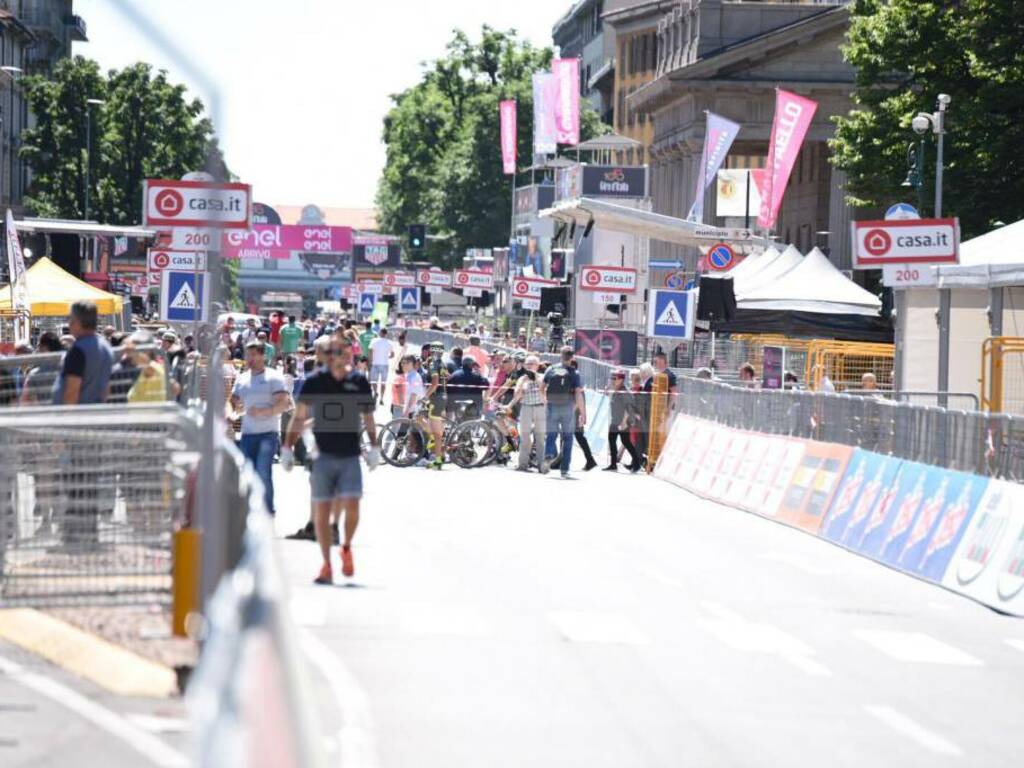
304 85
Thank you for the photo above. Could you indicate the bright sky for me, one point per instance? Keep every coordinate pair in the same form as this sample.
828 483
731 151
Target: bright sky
305 83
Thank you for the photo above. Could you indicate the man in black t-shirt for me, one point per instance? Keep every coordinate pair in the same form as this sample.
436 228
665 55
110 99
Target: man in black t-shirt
340 402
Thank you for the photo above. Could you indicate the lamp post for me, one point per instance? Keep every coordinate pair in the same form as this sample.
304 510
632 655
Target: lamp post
88 149
12 72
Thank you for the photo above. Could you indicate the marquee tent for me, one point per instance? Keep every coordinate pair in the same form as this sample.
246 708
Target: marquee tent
787 261
992 260
52 291
751 265
814 285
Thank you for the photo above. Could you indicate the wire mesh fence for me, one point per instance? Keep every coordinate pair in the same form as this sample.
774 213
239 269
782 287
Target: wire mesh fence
89 499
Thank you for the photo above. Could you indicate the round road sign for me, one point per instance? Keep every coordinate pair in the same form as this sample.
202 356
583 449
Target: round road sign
675 280
720 257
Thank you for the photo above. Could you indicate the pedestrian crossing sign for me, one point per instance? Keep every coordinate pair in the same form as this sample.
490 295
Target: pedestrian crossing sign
184 297
671 314
409 299
367 301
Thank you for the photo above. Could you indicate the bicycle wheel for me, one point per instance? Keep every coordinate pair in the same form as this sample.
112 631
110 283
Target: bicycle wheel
471 443
402 443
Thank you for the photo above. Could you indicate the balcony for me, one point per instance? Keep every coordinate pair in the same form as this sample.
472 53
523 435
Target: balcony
76 28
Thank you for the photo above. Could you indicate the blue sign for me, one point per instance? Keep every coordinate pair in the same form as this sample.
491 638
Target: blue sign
409 299
183 296
671 314
367 301
902 212
675 281
720 257
664 264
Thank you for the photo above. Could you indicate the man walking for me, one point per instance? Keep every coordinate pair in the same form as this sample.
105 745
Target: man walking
290 336
565 396
340 402
261 394
529 394
381 351
85 373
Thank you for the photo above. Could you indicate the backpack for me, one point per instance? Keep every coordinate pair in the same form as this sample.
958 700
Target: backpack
560 384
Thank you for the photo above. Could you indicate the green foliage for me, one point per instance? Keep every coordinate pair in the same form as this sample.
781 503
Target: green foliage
443 164
145 129
906 52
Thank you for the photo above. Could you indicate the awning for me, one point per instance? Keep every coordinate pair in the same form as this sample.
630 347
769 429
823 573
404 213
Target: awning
657 226
52 291
992 260
84 228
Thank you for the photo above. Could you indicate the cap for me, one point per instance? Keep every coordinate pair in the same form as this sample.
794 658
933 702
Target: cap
169 336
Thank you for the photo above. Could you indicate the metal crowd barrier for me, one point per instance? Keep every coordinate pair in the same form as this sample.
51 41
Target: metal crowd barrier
90 497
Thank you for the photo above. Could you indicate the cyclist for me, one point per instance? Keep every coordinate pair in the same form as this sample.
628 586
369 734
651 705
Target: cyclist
437 399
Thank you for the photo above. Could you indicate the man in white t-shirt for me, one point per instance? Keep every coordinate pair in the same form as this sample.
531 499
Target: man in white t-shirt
381 352
261 395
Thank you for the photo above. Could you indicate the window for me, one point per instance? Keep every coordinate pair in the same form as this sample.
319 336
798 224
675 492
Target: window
621 119
643 53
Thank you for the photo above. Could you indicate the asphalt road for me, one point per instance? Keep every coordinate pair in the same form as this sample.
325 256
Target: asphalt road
498 619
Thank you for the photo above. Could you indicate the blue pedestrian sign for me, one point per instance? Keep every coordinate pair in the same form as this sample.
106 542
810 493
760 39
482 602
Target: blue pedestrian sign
671 314
184 297
409 299
367 301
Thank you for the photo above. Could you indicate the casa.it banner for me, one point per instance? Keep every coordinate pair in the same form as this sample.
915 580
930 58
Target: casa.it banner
718 139
567 105
508 136
793 115
545 94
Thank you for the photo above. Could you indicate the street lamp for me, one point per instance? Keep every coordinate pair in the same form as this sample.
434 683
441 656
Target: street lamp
936 121
88 148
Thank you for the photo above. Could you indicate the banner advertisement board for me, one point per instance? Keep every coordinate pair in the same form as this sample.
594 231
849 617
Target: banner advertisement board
609 346
171 203
475 279
507 115
793 116
434 277
921 241
376 252
567 102
271 241
608 279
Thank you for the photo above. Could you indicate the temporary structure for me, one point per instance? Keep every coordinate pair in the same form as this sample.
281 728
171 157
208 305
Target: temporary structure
52 291
814 285
753 264
992 260
787 261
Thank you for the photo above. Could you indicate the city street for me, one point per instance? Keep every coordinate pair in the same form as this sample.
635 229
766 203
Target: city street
497 619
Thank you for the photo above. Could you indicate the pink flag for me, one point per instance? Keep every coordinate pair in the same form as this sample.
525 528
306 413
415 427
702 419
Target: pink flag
508 136
793 115
567 105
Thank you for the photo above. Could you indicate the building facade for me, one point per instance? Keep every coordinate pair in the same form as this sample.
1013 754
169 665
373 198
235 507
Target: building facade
728 57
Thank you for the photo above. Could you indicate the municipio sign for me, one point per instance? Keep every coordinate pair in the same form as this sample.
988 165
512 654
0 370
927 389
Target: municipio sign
608 279
169 203
921 241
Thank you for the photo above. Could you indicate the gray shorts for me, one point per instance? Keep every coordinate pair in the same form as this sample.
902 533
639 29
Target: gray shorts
336 477
378 373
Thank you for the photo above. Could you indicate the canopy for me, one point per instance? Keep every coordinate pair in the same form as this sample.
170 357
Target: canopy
787 261
994 259
752 264
813 285
52 291
621 218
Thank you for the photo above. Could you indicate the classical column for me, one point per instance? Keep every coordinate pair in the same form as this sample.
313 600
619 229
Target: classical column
839 213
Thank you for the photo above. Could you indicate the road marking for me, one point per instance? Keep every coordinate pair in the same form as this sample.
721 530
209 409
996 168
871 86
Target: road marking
157 724
916 647
1014 643
913 730
356 737
117 726
756 637
796 562
609 628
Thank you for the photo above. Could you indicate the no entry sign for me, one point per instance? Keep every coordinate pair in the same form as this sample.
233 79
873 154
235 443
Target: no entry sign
721 257
608 279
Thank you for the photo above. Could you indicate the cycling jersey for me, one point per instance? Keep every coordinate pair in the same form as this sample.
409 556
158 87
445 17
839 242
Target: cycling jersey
440 396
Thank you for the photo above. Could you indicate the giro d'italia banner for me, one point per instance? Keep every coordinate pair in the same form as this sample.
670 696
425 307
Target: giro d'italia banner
718 139
567 103
793 115
507 111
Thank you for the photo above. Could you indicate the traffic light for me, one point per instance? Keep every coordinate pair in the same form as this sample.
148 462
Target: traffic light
417 237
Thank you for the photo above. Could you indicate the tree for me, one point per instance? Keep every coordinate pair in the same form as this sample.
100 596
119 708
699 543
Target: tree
443 165
145 128
905 53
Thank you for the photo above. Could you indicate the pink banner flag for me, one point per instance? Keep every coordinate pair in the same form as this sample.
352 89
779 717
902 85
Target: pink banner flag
508 136
793 115
567 105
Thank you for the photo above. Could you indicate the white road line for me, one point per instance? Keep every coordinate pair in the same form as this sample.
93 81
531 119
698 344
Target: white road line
356 737
610 628
913 730
1014 643
154 749
757 637
916 647
157 724
796 562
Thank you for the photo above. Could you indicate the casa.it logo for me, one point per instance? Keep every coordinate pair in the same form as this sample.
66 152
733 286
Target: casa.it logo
161 260
463 278
169 203
877 242
593 277
522 288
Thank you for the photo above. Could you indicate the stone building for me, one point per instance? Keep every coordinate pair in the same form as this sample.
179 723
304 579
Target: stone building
728 57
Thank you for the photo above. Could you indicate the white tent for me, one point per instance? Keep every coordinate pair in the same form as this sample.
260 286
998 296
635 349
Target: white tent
813 285
787 261
993 260
751 265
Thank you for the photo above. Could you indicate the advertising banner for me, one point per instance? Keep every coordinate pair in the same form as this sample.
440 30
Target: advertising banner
171 203
921 241
545 93
434 277
507 113
612 181
988 564
376 252
567 104
160 258
399 279
19 283
717 140
814 483
608 279
529 287
271 241
869 482
618 347
793 115
474 279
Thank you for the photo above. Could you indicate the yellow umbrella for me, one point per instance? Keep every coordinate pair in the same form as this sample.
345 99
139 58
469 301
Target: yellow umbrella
52 291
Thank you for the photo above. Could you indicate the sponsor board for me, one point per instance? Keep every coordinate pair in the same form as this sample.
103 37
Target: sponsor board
609 346
434 277
170 203
400 279
608 279
160 259
530 287
270 241
922 241
814 483
474 278
869 481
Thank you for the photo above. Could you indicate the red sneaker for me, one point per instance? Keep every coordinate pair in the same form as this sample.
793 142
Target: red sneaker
348 567
326 575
